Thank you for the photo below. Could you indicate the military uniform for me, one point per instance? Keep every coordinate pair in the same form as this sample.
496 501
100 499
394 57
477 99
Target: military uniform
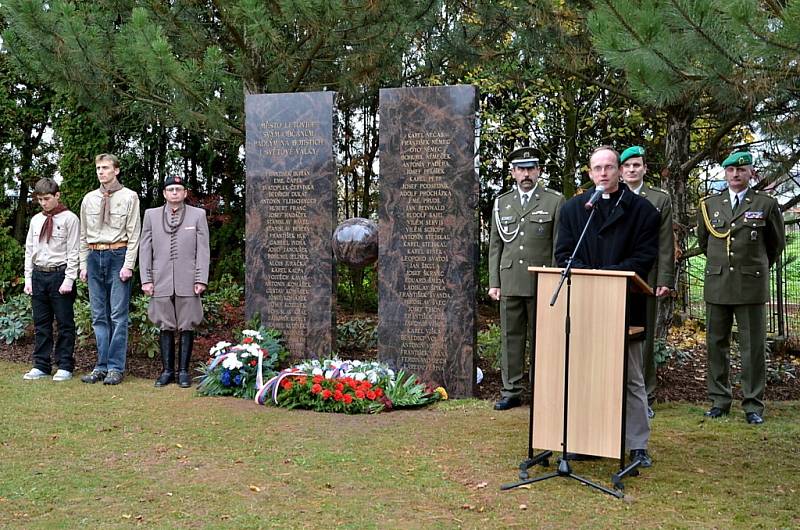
662 273
520 238
740 245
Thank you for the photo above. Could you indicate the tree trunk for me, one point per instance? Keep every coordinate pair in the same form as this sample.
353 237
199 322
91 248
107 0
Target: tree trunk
674 179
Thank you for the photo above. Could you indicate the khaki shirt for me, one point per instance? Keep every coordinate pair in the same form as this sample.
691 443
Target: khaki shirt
125 223
61 249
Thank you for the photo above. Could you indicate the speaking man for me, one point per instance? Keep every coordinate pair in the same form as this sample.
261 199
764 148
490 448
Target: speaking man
623 235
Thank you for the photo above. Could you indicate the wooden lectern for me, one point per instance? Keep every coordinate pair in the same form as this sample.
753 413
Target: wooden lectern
597 368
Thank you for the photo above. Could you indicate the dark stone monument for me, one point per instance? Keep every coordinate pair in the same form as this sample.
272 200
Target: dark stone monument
428 229
291 190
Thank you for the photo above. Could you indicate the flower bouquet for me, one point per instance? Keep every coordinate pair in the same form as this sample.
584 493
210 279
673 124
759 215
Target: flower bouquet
239 370
352 387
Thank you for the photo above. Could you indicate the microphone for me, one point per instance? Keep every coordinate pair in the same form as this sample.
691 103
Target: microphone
598 191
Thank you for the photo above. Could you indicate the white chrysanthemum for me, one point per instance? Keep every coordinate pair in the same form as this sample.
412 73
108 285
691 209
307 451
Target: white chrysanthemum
360 376
316 371
252 333
356 364
219 348
232 362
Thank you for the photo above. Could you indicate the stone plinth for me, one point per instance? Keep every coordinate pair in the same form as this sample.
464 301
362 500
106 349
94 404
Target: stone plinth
291 186
428 231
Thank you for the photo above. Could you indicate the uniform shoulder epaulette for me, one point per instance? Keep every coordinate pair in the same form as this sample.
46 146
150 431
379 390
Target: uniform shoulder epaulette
554 192
661 190
512 190
712 193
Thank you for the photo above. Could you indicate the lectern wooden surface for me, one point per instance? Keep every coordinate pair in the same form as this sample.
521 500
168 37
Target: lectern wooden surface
596 368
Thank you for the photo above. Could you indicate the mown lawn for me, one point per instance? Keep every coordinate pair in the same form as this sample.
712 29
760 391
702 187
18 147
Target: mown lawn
76 455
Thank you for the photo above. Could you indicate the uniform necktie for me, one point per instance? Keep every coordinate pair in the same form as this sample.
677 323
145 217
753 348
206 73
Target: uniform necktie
524 200
735 202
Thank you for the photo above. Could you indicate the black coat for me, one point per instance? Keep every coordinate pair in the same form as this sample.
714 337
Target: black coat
627 239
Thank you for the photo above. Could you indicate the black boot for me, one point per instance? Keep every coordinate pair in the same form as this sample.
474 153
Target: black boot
187 341
166 342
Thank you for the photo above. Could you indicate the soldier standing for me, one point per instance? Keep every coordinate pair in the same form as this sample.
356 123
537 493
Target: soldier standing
662 275
524 226
741 232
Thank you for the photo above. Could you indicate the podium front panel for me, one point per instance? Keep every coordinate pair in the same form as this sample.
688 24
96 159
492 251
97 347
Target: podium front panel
596 367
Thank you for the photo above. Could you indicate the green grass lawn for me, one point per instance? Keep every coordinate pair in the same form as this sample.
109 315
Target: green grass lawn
75 455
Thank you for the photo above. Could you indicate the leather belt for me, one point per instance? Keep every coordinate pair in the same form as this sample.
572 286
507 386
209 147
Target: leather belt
107 246
53 268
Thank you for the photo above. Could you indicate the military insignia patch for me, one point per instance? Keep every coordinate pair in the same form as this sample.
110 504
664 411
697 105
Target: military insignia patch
757 215
716 214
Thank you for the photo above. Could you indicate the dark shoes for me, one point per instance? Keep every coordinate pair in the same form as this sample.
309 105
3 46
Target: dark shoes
506 403
650 413
113 378
754 418
715 412
95 377
641 456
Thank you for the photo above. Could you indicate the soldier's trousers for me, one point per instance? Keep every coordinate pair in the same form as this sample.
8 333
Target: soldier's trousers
516 318
750 319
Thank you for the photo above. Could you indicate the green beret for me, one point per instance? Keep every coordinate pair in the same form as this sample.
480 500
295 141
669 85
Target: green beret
633 151
524 157
738 159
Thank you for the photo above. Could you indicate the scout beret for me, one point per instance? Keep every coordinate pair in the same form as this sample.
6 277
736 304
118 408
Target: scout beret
738 158
524 157
174 180
631 152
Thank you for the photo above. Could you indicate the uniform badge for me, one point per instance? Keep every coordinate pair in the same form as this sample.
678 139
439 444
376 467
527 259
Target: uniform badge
506 219
757 215
540 212
754 235
716 214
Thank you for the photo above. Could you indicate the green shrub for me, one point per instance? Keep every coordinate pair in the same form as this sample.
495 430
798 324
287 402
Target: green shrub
357 334
15 315
12 260
490 344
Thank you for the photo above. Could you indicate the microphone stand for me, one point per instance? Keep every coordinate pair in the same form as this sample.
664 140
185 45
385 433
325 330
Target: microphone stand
564 469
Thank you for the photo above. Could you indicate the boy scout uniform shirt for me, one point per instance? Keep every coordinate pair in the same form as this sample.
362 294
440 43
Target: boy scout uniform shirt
62 249
532 246
740 246
124 225
663 272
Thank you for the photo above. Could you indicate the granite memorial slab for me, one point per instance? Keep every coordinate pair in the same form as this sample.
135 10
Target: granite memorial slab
291 212
428 232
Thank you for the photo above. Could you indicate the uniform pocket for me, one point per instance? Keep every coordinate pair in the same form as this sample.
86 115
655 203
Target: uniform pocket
755 272
712 270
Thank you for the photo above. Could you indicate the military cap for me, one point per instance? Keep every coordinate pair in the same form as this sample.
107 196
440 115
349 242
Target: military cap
738 158
524 157
174 181
631 152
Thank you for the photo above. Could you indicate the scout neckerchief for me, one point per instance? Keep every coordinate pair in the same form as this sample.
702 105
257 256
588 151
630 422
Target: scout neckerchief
47 227
105 206
169 226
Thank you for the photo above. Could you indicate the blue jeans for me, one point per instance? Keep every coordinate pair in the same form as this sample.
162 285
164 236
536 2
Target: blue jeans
109 298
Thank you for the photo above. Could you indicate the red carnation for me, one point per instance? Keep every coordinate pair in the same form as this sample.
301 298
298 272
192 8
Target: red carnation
326 394
360 394
338 396
348 399
339 387
352 383
247 340
379 391
371 395
316 389
302 381
253 362
286 384
317 379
